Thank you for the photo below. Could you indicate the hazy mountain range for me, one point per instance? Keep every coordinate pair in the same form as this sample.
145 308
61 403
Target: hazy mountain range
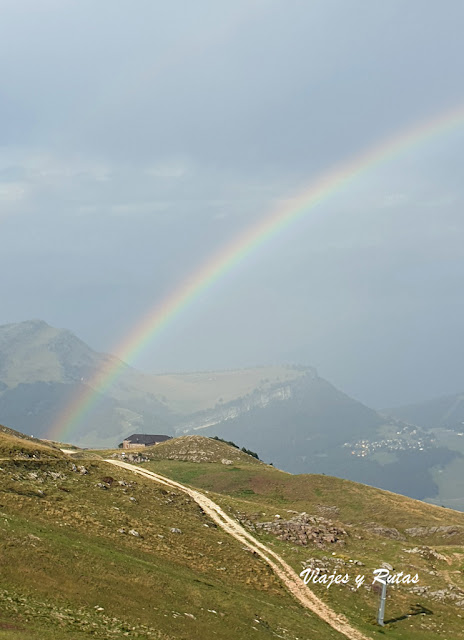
309 426
445 412
42 369
288 414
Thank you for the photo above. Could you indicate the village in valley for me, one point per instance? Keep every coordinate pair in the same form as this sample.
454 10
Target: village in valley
407 438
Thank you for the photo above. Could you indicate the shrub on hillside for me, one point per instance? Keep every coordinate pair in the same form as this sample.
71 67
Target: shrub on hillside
232 444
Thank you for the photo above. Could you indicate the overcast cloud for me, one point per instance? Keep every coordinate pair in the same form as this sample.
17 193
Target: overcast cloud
137 138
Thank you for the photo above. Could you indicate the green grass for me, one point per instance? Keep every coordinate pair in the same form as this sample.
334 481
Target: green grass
63 559
14 444
307 492
68 573
258 494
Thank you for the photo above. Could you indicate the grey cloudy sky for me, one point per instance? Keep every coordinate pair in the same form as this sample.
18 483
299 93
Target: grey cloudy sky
137 138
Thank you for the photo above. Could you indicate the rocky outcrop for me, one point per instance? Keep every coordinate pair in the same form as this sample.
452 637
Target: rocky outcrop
384 532
130 457
328 564
450 594
305 529
428 553
444 531
257 399
230 410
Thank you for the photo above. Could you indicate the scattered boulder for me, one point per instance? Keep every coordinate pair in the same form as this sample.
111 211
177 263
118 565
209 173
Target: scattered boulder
428 553
328 510
131 457
56 475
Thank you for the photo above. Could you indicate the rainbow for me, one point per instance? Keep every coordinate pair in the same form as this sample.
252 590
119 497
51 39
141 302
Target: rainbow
223 261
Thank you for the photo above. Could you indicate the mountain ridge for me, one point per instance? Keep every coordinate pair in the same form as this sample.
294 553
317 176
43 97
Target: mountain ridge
43 368
288 414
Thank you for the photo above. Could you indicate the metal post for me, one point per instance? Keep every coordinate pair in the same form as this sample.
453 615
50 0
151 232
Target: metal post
383 597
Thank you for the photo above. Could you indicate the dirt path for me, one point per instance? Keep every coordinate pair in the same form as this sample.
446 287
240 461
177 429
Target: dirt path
292 581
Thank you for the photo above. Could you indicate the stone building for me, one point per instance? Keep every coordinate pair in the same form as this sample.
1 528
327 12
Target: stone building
143 440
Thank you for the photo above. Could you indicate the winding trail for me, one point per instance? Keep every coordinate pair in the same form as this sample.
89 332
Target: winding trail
289 577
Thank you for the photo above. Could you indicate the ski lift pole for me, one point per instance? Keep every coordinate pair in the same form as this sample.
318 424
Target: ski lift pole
383 597
381 612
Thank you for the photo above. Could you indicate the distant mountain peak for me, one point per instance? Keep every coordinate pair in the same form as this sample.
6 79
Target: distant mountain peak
43 368
34 323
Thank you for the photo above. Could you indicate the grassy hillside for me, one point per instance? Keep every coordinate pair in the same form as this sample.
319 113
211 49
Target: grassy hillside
89 550
16 445
199 449
93 550
368 527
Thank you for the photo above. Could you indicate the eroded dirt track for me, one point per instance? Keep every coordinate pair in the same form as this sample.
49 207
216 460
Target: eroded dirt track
289 577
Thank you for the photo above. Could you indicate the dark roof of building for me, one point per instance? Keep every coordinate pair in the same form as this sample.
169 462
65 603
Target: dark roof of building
144 438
